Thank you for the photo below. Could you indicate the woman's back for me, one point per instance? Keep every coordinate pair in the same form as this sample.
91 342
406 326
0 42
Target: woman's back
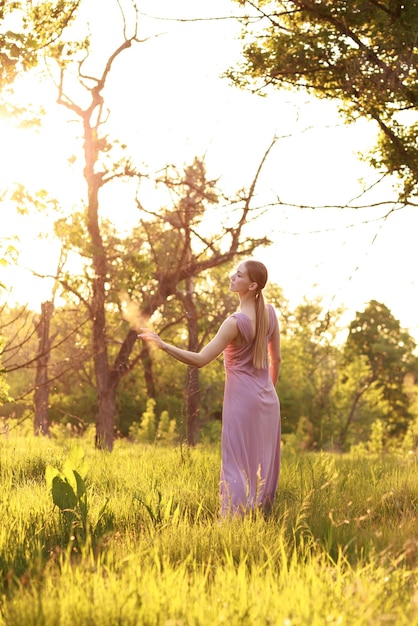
250 425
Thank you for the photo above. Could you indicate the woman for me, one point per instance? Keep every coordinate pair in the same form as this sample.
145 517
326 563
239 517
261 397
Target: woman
251 411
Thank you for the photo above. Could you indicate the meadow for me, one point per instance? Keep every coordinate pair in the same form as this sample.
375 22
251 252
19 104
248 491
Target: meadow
142 544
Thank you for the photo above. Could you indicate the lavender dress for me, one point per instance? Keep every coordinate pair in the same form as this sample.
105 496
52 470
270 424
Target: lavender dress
250 427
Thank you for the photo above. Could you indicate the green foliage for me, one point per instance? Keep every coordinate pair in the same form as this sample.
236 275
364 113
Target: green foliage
410 441
376 444
69 493
31 30
160 511
166 430
148 430
330 395
68 490
359 52
211 431
4 388
377 336
148 421
357 403
309 371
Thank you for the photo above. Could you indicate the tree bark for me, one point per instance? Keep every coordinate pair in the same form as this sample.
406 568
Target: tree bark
105 421
192 406
148 373
105 394
41 395
192 385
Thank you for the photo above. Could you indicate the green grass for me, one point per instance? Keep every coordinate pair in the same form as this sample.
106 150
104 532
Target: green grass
340 548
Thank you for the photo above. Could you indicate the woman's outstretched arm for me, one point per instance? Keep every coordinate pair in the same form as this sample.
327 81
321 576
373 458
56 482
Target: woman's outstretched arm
226 333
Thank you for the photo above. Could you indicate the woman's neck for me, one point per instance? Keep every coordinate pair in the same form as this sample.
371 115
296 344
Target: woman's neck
246 302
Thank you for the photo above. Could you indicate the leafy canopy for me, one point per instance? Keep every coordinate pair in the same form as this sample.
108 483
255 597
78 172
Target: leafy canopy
362 53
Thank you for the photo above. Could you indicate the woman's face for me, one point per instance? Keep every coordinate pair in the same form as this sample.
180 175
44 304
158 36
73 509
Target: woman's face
240 281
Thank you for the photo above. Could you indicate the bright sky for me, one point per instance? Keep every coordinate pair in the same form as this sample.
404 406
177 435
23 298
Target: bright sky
169 104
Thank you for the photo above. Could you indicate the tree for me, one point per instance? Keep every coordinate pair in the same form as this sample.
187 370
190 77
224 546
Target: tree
30 29
357 402
152 265
195 194
376 335
362 53
81 82
309 372
182 250
98 171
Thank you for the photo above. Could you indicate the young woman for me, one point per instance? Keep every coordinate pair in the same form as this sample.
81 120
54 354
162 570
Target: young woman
250 341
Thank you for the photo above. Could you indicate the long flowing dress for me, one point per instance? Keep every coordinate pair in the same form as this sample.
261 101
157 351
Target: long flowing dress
250 427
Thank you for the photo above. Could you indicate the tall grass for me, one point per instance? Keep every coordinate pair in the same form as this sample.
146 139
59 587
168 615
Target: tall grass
340 546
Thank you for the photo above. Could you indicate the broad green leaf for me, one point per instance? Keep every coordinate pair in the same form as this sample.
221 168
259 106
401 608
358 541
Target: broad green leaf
62 494
81 486
76 458
50 473
68 472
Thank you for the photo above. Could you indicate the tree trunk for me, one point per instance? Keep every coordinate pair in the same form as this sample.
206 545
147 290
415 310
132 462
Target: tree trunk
148 373
105 419
95 144
105 422
105 392
41 395
192 385
192 406
356 399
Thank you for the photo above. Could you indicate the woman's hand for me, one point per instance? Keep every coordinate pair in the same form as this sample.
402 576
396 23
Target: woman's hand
227 333
149 335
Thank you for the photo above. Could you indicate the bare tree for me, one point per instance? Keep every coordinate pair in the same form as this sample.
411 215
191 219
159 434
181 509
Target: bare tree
93 117
182 251
184 266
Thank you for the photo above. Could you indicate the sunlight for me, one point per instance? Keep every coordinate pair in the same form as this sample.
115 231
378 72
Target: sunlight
34 157
168 104
30 160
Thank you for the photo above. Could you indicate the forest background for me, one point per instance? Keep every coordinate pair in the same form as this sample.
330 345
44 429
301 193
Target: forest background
125 243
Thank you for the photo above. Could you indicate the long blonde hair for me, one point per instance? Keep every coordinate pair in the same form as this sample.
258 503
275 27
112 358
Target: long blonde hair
257 273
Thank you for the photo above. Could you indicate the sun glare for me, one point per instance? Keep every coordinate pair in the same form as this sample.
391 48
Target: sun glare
29 158
33 157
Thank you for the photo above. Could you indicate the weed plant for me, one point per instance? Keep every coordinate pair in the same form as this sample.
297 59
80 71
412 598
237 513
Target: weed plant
339 548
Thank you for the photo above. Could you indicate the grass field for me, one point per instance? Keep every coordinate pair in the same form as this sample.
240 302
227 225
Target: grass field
144 545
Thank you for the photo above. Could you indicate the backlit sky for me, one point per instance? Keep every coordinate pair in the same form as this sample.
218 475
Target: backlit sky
169 103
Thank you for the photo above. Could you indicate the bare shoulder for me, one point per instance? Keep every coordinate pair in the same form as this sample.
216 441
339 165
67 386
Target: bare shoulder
229 326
